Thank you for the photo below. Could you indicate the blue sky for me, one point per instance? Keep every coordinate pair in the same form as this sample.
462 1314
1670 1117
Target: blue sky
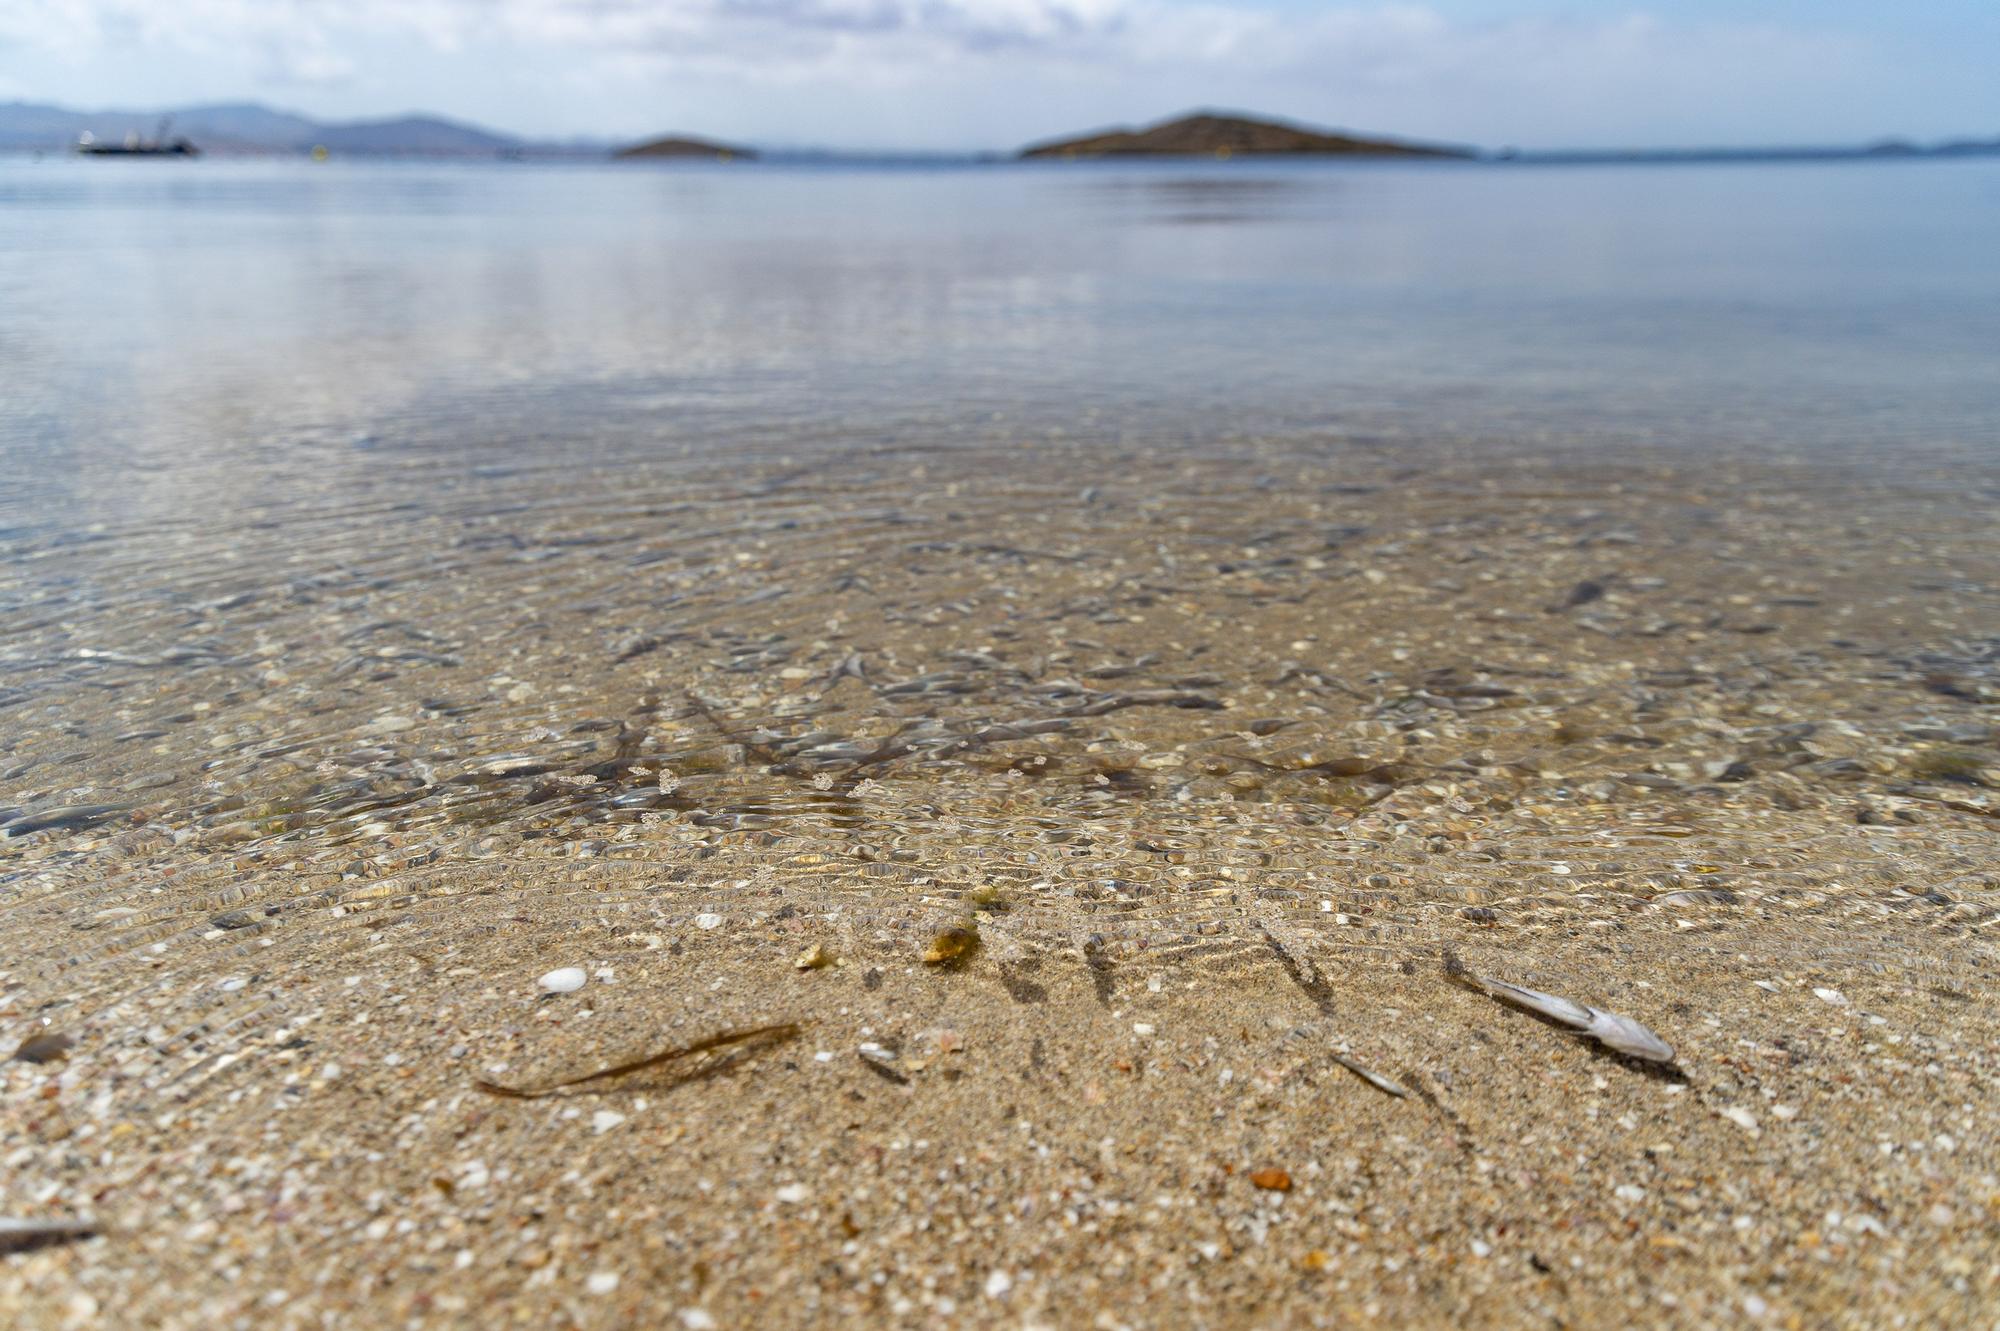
948 74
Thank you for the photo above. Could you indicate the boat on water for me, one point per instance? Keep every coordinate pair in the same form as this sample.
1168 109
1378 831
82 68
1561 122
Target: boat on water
134 146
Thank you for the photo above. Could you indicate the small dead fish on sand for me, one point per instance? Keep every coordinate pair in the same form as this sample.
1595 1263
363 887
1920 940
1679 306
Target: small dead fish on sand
21 1235
1619 1034
1375 1079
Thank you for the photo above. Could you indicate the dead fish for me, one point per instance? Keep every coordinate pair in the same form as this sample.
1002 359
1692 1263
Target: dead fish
67 817
1375 1079
21 1235
1614 1032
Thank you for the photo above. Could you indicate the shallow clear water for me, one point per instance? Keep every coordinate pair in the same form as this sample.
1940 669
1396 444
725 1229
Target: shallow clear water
1225 590
204 308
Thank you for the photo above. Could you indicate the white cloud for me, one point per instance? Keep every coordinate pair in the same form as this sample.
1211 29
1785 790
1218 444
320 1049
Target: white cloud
1606 76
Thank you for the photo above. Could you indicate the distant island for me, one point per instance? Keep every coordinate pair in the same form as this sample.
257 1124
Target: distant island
1206 134
677 147
237 129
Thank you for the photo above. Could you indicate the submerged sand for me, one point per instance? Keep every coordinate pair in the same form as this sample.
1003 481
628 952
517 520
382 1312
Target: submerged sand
1217 752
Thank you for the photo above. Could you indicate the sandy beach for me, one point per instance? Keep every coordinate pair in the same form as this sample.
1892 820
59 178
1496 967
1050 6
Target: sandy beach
1187 768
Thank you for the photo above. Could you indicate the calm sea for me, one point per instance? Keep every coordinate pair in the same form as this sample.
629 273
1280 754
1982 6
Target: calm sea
151 312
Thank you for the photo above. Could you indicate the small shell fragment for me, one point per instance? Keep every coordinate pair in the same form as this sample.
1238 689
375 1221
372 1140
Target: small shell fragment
567 980
813 958
1271 1179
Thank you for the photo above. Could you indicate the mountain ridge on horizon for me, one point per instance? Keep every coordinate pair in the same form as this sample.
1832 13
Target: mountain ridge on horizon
255 128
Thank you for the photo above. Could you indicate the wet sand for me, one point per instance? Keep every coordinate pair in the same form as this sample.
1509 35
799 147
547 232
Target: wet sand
1217 751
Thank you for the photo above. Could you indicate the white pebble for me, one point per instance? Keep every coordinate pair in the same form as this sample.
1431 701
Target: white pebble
1142 1028
1630 1192
1741 1117
708 919
565 981
601 1282
605 1119
697 1319
792 1194
1833 996
997 1284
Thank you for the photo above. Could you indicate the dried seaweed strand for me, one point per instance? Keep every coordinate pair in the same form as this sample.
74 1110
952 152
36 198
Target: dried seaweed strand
778 1031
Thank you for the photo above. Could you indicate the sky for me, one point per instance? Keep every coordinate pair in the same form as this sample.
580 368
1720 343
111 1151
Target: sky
975 74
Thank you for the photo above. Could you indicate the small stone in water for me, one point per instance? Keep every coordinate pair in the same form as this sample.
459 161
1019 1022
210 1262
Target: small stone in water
565 981
44 1047
951 947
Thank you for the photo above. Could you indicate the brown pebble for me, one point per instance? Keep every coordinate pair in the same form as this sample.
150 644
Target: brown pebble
1272 1179
45 1047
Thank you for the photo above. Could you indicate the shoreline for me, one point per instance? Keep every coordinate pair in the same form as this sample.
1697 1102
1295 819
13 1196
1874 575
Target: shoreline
1218 754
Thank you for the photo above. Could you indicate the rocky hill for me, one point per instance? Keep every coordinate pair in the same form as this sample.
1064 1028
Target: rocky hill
1206 134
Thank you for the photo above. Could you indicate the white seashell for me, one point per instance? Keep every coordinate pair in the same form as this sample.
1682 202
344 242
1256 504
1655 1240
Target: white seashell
565 981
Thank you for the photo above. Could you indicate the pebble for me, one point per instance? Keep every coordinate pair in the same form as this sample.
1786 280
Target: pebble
707 920
1833 996
601 1282
792 1194
1741 1117
997 1284
567 980
604 1120
44 1047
